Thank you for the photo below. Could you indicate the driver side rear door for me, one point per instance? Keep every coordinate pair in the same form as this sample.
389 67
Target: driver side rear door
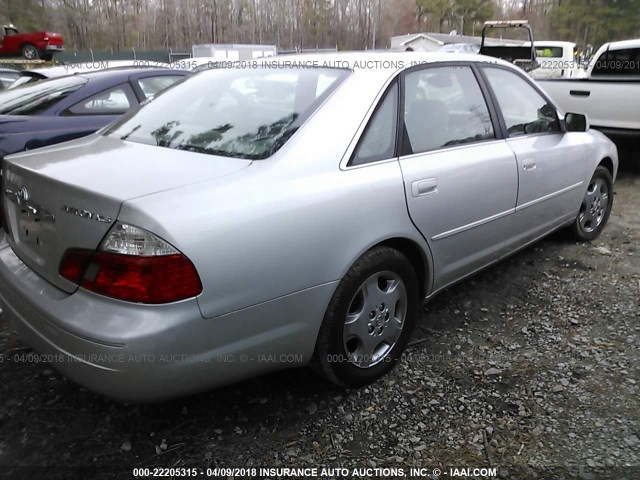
460 176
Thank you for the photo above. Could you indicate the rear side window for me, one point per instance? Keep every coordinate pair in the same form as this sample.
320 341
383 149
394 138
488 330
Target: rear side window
444 107
113 101
379 139
241 113
618 62
34 98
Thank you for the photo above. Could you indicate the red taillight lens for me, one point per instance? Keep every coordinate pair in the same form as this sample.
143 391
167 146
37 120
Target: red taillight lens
73 264
163 277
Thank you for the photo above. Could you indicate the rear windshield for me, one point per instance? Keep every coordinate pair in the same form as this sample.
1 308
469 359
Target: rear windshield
36 97
241 113
546 52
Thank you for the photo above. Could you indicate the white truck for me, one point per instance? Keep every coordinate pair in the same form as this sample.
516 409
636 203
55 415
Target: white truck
609 95
556 60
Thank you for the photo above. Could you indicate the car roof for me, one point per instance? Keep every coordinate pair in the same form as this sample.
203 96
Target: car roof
551 43
624 44
364 60
127 71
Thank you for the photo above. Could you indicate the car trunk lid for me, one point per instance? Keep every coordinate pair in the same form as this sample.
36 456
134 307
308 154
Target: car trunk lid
69 196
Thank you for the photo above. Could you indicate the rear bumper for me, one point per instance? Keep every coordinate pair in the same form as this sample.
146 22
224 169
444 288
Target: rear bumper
142 353
54 48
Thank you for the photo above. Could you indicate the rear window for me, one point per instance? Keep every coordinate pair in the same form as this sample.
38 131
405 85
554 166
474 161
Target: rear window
37 97
618 63
241 113
549 52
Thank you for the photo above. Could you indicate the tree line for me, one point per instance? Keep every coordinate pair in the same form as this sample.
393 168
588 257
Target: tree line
308 24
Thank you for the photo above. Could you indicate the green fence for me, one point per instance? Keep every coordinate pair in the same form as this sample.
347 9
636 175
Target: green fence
101 56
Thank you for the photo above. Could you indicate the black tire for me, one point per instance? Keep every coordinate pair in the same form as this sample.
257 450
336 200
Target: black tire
587 226
332 359
29 52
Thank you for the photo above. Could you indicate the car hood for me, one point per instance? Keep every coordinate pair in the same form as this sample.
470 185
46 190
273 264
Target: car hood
69 195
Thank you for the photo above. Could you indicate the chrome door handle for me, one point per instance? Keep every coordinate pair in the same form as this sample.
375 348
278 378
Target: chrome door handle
528 165
426 186
579 93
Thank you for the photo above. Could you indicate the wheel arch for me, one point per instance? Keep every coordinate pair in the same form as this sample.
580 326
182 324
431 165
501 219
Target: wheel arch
416 255
607 163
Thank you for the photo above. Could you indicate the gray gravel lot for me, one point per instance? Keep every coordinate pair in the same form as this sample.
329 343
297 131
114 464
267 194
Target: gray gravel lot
533 362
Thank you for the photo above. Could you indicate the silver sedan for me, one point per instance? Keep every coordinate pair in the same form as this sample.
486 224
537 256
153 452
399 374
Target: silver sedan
294 212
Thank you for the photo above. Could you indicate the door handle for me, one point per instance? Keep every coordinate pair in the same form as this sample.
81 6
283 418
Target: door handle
426 186
528 165
579 93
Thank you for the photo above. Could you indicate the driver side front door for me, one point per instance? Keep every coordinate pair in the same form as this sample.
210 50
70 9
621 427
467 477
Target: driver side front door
551 166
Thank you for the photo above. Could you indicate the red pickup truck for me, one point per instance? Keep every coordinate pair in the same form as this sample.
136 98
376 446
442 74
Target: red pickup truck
29 45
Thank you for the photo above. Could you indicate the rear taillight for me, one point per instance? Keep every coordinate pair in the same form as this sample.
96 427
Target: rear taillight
133 265
46 39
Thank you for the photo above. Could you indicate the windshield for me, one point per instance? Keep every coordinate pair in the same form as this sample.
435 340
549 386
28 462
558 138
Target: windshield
242 113
33 98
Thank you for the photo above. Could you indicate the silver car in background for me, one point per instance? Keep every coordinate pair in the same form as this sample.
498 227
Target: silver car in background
294 212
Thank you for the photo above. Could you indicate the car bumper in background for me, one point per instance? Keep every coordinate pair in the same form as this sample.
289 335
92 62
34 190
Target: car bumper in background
141 353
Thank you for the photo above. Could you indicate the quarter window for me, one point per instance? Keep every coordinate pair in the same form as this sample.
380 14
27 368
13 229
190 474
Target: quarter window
379 139
151 86
114 101
444 107
525 111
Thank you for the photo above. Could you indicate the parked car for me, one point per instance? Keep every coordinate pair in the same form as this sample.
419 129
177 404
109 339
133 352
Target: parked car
61 109
609 94
7 77
31 46
37 74
208 237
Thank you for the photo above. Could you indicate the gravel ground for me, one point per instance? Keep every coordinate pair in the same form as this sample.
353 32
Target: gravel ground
532 363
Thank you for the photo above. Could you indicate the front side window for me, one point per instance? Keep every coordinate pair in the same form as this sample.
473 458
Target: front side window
241 113
525 111
379 139
444 107
34 98
618 62
114 101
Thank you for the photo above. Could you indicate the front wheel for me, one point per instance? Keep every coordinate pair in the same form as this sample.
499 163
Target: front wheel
596 206
369 319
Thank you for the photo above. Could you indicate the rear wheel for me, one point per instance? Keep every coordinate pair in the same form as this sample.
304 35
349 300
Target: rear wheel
29 52
596 206
369 319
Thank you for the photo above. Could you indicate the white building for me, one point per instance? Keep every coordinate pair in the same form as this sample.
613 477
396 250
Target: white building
232 52
432 42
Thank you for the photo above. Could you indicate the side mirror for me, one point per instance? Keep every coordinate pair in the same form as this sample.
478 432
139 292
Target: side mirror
576 122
